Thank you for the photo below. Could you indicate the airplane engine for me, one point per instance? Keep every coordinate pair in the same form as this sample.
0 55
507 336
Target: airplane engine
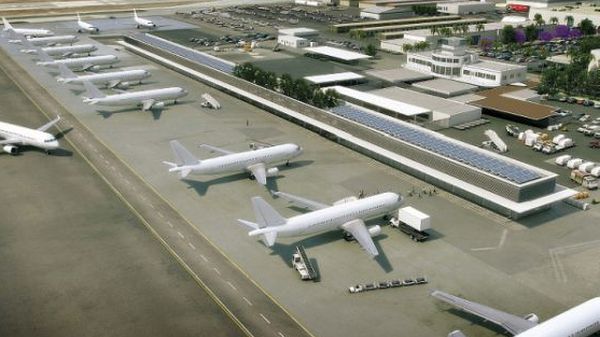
124 85
95 68
10 149
374 230
272 172
532 318
158 105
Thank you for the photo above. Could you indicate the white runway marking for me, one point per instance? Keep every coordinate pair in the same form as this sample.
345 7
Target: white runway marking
191 246
247 301
170 224
500 244
232 286
266 320
280 334
217 270
160 214
204 258
180 235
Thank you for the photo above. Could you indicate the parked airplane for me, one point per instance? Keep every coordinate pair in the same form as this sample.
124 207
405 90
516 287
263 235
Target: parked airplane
580 321
347 214
25 31
49 40
148 99
79 63
59 51
86 27
15 135
256 162
116 79
141 22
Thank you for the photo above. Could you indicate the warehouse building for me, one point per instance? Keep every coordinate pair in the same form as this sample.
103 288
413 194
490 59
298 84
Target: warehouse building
465 8
453 62
344 78
385 13
445 88
444 113
346 27
293 41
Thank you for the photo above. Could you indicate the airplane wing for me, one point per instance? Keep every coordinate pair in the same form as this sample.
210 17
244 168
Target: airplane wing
113 83
359 230
301 202
513 324
147 104
49 124
86 66
259 172
216 149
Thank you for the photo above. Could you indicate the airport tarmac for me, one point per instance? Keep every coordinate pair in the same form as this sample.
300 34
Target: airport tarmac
76 261
534 265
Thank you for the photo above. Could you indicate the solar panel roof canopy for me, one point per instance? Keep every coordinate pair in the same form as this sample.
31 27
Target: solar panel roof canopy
490 163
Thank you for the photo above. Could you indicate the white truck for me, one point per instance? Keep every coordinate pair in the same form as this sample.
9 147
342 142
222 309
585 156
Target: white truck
562 160
412 222
584 179
302 264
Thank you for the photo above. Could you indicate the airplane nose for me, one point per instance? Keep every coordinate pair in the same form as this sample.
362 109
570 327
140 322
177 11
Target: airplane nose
299 149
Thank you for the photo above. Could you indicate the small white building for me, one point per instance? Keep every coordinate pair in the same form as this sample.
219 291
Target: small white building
293 41
300 32
385 13
453 62
465 8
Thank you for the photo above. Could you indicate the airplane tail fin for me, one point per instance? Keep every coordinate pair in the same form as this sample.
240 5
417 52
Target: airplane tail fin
268 219
185 157
43 56
65 74
7 25
92 91
135 13
78 18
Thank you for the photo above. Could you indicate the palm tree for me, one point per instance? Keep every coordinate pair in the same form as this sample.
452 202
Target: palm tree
464 28
408 48
446 31
553 20
456 29
479 27
570 20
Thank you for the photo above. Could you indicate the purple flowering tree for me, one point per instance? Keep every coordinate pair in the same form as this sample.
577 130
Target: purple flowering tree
562 31
520 36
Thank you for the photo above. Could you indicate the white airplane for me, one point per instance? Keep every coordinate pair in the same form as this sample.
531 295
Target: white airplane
348 214
115 79
59 51
580 321
15 135
79 63
49 40
148 99
8 28
86 27
256 162
141 22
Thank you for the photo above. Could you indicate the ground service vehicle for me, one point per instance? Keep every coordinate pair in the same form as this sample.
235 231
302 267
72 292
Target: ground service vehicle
302 264
584 179
412 222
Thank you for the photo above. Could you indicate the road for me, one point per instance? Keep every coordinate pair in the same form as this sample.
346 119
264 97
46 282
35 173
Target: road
249 306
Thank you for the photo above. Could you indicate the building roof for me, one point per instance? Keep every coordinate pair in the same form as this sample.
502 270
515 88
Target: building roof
382 10
382 102
334 78
397 75
300 31
523 94
494 99
337 53
292 37
425 101
494 66
466 98
445 87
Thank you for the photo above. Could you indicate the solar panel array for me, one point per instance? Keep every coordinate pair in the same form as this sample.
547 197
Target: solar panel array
483 161
192 55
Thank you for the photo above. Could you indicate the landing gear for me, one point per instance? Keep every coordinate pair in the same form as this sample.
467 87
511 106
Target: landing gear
251 177
287 163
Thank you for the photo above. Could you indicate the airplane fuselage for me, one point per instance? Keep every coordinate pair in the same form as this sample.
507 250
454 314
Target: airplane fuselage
27 136
333 217
580 321
84 26
49 40
105 78
62 50
237 162
138 97
82 61
31 32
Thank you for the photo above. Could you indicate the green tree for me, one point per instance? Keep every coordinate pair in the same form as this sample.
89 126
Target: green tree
569 20
371 50
538 19
531 32
553 20
407 47
433 30
507 34
587 27
479 27
445 31
421 45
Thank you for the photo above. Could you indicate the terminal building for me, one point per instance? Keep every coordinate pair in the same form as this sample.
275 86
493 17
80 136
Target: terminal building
466 7
451 61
